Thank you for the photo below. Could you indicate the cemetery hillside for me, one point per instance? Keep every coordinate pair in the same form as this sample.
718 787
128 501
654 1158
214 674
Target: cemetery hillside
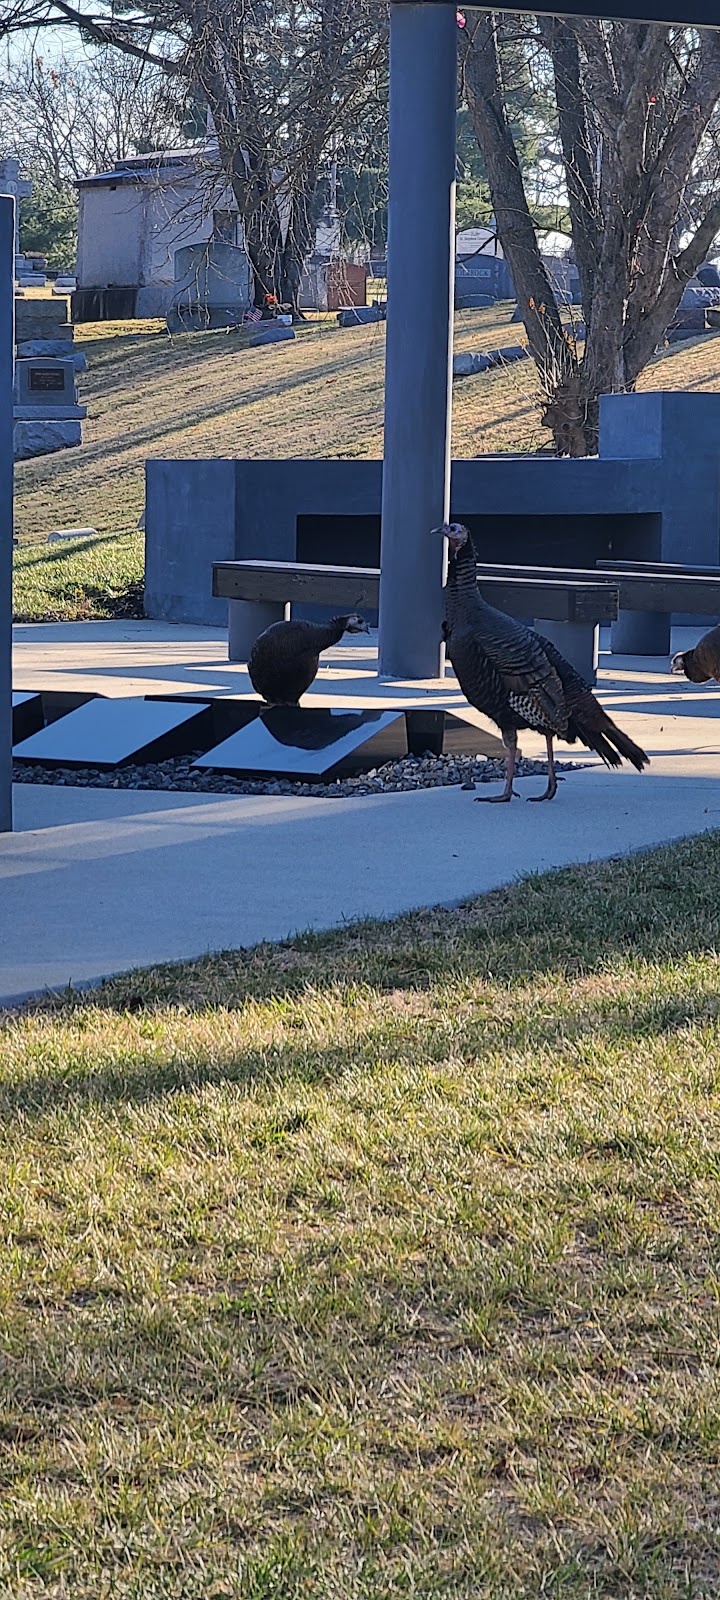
151 394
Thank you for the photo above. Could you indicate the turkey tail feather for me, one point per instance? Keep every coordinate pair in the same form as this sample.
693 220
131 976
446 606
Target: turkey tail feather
606 739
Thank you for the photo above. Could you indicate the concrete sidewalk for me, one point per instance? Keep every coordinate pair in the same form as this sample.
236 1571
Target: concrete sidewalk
96 881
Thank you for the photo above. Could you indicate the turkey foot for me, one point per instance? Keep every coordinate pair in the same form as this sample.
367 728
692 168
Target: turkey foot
508 791
551 790
497 799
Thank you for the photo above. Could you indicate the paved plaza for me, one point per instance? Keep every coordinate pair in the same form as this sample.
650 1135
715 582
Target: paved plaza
94 881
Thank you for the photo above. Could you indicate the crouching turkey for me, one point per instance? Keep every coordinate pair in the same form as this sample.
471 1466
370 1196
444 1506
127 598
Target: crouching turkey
702 663
518 678
285 658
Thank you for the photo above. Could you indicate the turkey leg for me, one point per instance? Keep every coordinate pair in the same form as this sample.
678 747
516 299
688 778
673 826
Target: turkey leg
548 793
510 742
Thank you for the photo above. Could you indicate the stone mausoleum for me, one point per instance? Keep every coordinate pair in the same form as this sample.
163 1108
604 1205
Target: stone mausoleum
134 218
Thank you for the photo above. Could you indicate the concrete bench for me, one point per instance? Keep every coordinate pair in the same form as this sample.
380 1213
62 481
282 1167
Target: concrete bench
671 568
650 592
258 593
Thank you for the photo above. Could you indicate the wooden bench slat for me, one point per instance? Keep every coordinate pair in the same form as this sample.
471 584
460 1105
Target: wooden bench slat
677 593
558 599
290 567
553 600
672 568
654 590
358 587
353 587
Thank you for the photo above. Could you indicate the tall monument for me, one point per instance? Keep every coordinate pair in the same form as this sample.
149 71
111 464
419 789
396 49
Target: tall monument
20 189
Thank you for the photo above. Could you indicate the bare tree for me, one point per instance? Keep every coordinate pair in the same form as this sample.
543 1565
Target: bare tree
635 109
66 117
282 80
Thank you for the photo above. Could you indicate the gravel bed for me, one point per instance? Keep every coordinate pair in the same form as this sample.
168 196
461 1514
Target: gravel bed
413 772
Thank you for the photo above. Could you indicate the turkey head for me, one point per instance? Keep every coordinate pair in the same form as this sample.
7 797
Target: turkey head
456 534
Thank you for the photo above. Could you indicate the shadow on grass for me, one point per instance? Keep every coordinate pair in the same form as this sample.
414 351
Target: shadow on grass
60 550
142 1077
111 601
659 907
662 904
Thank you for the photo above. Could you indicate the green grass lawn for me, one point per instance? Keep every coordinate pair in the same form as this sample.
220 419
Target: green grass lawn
100 577
381 1264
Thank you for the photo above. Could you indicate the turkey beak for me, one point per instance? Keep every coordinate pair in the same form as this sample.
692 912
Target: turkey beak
453 543
444 531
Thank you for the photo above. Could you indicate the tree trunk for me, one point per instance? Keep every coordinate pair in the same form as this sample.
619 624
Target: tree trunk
579 150
634 105
551 348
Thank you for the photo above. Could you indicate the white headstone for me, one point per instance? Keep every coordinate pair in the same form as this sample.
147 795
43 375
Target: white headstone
20 188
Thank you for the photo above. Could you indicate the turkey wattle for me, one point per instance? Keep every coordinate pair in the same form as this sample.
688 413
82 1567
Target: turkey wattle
518 678
285 658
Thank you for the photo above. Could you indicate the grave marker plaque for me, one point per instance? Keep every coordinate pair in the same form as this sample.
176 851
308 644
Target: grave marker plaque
44 380
43 383
304 743
114 733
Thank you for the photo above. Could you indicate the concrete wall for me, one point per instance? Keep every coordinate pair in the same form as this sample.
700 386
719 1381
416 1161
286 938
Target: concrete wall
179 214
190 521
653 493
111 228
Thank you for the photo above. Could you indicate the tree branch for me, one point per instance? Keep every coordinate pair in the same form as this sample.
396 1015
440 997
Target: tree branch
115 34
562 45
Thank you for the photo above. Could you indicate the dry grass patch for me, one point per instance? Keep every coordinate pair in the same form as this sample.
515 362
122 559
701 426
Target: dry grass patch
379 1263
149 394
207 395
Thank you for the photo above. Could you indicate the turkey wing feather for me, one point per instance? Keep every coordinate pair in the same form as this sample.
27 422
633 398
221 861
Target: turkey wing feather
494 671
530 677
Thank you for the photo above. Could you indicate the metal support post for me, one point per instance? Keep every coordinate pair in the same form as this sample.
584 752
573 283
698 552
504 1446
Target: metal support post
7 311
418 377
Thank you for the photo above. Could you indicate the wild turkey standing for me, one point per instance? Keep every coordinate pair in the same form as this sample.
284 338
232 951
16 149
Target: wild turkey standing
702 663
518 678
285 658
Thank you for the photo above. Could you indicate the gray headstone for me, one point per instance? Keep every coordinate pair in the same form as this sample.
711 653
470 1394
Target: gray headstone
272 333
44 383
59 349
211 278
49 312
72 533
355 316
468 362
44 436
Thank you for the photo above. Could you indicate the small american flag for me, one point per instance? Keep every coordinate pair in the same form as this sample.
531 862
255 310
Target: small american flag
253 314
